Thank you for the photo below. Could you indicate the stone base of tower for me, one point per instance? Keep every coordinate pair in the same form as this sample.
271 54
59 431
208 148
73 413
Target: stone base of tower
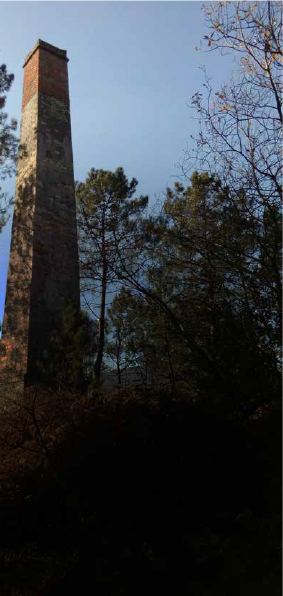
12 385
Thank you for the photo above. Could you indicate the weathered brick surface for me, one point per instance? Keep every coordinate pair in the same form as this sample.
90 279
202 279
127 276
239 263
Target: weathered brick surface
31 81
53 76
43 268
17 307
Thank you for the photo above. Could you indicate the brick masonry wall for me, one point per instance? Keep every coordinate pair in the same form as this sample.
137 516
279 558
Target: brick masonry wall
55 253
31 80
43 267
53 76
17 307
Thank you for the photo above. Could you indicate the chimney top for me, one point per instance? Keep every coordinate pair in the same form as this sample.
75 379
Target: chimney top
48 48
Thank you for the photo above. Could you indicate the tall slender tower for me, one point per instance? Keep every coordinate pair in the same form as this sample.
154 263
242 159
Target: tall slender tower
43 267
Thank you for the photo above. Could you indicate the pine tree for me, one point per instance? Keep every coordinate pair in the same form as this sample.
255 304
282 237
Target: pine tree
206 276
8 141
107 214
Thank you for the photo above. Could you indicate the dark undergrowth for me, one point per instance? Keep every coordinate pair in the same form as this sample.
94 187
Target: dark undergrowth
143 502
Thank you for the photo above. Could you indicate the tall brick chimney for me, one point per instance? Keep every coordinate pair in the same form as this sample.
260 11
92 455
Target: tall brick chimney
43 268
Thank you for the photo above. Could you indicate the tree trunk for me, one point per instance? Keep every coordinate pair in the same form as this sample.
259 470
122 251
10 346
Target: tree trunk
99 358
118 358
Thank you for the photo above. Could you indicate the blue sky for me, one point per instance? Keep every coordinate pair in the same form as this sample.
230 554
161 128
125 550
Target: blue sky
133 67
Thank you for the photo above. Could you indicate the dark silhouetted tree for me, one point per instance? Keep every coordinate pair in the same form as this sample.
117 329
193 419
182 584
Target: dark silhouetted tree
8 141
69 358
202 267
240 134
106 218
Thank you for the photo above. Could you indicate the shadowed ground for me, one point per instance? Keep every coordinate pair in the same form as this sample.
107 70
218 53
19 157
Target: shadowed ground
141 501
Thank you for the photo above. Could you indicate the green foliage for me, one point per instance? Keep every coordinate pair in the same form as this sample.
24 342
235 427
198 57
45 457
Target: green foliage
122 326
240 138
8 141
107 216
143 338
70 355
205 315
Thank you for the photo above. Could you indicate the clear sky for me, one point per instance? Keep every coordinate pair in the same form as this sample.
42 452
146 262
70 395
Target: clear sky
133 68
